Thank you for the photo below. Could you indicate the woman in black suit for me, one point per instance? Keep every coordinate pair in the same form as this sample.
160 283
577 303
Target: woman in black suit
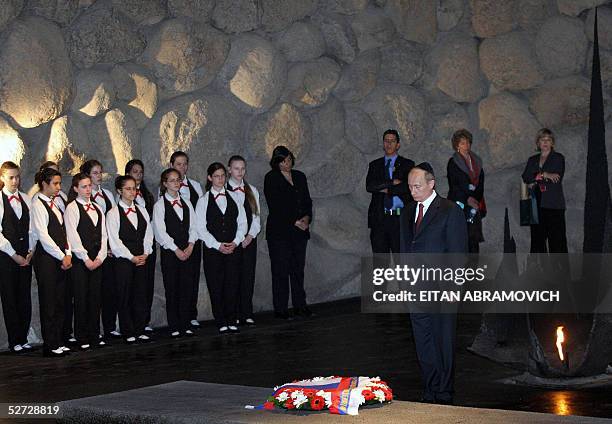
544 176
290 214
466 185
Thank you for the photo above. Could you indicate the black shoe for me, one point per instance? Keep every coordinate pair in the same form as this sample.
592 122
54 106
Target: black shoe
113 335
57 353
233 329
303 312
175 334
249 322
283 315
224 329
189 333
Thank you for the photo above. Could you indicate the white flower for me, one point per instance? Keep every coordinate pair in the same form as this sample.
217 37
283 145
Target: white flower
375 379
327 396
318 378
282 397
299 398
380 395
360 398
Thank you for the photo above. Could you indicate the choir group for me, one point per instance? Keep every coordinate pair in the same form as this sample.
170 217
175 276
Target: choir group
93 252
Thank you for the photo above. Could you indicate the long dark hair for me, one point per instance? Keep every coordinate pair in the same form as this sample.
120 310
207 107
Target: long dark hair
279 154
164 178
248 191
212 168
6 166
89 165
76 179
45 175
47 164
144 190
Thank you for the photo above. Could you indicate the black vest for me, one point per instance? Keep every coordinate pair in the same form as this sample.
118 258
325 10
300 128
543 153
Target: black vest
148 199
14 229
91 236
55 229
107 203
222 227
177 229
247 207
132 238
193 194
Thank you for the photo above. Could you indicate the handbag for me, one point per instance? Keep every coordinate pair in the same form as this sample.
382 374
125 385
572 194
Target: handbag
528 206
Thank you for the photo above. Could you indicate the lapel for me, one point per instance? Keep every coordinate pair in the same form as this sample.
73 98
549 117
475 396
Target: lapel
410 211
432 211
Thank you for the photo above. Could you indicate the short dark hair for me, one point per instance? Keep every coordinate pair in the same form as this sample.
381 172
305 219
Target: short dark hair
88 166
121 180
429 172
177 155
279 154
212 168
461 134
45 175
394 132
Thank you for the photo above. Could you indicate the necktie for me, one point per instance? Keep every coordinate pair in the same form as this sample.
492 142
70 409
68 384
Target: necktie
388 197
177 202
14 197
51 203
184 185
138 193
219 194
419 218
89 207
129 210
239 189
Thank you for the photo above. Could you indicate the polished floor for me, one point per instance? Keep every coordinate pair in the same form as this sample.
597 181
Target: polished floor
338 340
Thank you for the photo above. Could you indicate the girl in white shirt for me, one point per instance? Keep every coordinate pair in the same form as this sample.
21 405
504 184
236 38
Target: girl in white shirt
61 199
130 237
16 246
221 225
248 196
52 259
174 229
86 232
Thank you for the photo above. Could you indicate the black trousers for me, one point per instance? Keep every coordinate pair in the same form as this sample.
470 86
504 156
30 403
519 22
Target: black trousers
222 279
287 260
178 279
68 307
385 239
247 280
150 282
87 286
549 236
109 295
51 280
434 336
195 258
15 292
131 296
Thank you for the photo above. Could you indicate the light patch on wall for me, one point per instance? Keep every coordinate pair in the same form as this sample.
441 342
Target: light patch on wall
251 80
11 145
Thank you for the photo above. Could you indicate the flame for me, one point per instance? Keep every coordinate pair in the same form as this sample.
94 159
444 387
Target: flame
559 343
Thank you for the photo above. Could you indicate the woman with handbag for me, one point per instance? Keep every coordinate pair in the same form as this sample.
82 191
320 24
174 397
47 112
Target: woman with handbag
543 175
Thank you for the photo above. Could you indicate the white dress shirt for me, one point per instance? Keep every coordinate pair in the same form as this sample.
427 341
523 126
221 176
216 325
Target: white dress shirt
96 196
184 191
61 200
159 222
5 245
113 224
139 199
220 197
426 203
72 217
240 195
40 223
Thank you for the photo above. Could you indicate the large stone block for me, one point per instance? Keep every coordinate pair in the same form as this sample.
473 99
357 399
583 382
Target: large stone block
277 15
345 7
13 148
561 46
400 107
199 10
361 130
562 101
9 10
454 65
310 83
509 62
359 78
60 11
254 72
574 7
492 17
185 55
340 40
137 88
302 41
208 127
341 225
531 14
143 12
285 125
449 14
69 145
511 129
102 34
95 93
415 20
35 72
402 62
373 28
327 124
236 15
604 26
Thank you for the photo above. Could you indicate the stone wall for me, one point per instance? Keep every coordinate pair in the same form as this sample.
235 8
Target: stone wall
116 79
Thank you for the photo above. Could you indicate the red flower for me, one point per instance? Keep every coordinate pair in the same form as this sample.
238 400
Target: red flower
367 394
317 403
269 405
289 404
309 392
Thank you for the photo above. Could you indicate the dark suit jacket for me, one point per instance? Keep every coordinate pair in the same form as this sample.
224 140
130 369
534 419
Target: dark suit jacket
286 204
459 184
377 179
553 197
443 229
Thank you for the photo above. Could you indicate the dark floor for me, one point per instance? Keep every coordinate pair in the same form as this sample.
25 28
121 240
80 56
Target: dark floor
339 340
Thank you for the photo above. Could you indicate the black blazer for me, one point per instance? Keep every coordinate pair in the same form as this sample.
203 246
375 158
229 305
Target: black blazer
377 179
443 229
286 204
459 184
553 197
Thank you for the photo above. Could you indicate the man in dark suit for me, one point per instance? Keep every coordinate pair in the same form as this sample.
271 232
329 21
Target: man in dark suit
433 224
387 181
